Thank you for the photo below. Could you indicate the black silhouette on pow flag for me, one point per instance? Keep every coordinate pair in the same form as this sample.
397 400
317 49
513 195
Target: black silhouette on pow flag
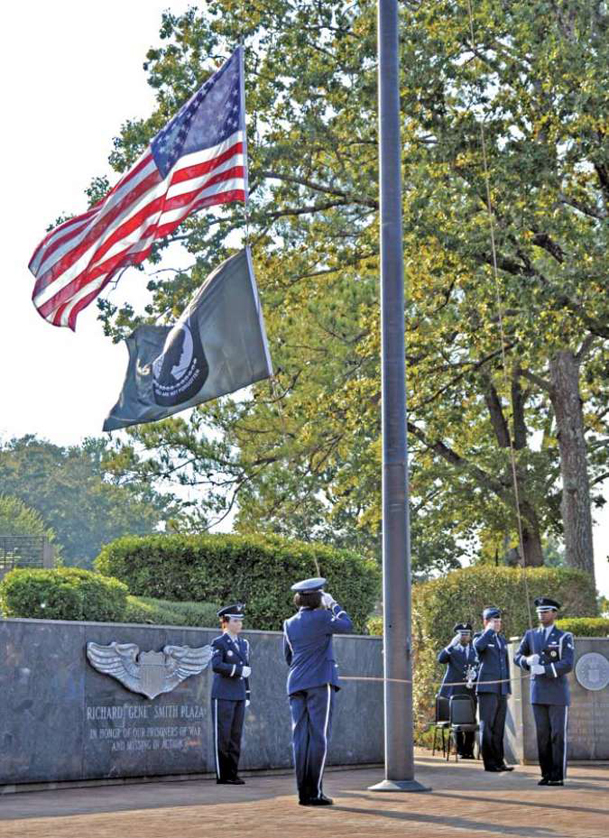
181 370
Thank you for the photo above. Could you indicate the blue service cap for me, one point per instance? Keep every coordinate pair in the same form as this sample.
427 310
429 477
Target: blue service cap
309 585
491 613
236 611
463 628
544 603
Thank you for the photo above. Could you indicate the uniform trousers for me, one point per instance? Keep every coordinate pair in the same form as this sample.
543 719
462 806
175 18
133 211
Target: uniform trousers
551 723
312 711
227 719
492 713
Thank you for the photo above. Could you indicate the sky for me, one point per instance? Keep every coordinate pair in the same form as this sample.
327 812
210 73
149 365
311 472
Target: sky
72 76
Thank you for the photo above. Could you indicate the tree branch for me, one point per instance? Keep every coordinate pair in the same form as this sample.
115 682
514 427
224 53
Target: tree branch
540 382
318 187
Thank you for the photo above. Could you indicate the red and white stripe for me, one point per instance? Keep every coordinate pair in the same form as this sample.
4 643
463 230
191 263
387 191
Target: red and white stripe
78 258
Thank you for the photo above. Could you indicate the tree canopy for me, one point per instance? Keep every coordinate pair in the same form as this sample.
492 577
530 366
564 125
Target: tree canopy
16 518
504 126
70 491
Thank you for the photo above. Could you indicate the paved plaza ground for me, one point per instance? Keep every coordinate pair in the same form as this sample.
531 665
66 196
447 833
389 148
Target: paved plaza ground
465 801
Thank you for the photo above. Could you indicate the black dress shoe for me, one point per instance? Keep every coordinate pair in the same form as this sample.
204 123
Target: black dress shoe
494 769
232 781
467 756
322 800
505 767
544 781
556 782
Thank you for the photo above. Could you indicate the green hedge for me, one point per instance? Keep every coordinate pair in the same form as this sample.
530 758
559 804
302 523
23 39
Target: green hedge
585 626
65 593
462 595
162 612
254 569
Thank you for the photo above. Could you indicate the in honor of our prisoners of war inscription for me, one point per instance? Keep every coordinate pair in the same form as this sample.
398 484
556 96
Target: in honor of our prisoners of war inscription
145 727
130 726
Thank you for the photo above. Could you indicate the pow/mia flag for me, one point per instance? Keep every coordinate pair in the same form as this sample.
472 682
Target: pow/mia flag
216 347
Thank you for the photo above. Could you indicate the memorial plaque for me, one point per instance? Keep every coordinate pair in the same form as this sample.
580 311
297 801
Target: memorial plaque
592 671
144 710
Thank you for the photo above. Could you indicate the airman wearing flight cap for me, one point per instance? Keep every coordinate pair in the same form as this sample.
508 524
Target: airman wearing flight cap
462 662
492 689
547 652
230 693
312 682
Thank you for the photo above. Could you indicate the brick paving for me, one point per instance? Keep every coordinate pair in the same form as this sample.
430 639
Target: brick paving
465 801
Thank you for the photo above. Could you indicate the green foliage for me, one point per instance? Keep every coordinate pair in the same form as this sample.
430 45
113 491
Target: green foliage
255 569
585 626
462 596
77 496
16 518
304 459
164 612
66 593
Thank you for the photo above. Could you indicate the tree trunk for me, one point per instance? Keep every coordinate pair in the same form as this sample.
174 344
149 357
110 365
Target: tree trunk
531 543
575 503
531 532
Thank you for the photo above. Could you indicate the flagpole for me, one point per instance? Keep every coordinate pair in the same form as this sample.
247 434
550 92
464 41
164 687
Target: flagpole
399 744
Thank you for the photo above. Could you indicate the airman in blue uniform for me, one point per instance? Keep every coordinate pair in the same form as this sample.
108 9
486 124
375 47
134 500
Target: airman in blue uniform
492 689
312 682
547 652
230 693
459 677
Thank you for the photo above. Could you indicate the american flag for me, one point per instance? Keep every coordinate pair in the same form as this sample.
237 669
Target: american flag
197 160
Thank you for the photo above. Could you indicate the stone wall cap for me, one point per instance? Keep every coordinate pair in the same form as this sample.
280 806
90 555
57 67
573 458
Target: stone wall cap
155 626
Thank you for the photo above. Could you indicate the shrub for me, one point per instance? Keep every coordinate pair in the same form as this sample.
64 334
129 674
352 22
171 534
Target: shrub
585 626
255 569
462 595
161 612
65 593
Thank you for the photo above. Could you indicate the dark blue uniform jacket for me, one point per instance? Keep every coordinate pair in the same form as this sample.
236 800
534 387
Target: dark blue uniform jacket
556 656
307 645
458 661
227 662
491 649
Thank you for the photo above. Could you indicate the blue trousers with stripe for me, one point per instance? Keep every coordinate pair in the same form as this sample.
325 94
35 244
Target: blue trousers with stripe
312 712
227 719
551 724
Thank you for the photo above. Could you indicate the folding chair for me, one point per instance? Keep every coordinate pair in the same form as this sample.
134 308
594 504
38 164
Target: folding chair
462 719
441 722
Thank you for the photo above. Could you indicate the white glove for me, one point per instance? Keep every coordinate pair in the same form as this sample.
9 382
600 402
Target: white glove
327 600
532 659
455 641
246 671
538 669
247 702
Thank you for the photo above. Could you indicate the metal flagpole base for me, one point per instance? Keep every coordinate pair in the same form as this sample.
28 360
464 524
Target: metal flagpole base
399 785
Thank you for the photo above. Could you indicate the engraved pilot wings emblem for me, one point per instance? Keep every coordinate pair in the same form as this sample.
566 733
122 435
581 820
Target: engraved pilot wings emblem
149 673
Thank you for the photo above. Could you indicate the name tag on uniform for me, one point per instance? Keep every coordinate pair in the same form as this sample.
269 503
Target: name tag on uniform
491 645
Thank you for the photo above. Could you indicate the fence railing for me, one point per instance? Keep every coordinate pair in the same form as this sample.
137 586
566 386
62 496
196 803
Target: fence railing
25 551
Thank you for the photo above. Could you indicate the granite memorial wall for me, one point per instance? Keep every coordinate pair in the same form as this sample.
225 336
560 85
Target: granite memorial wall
71 716
588 729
